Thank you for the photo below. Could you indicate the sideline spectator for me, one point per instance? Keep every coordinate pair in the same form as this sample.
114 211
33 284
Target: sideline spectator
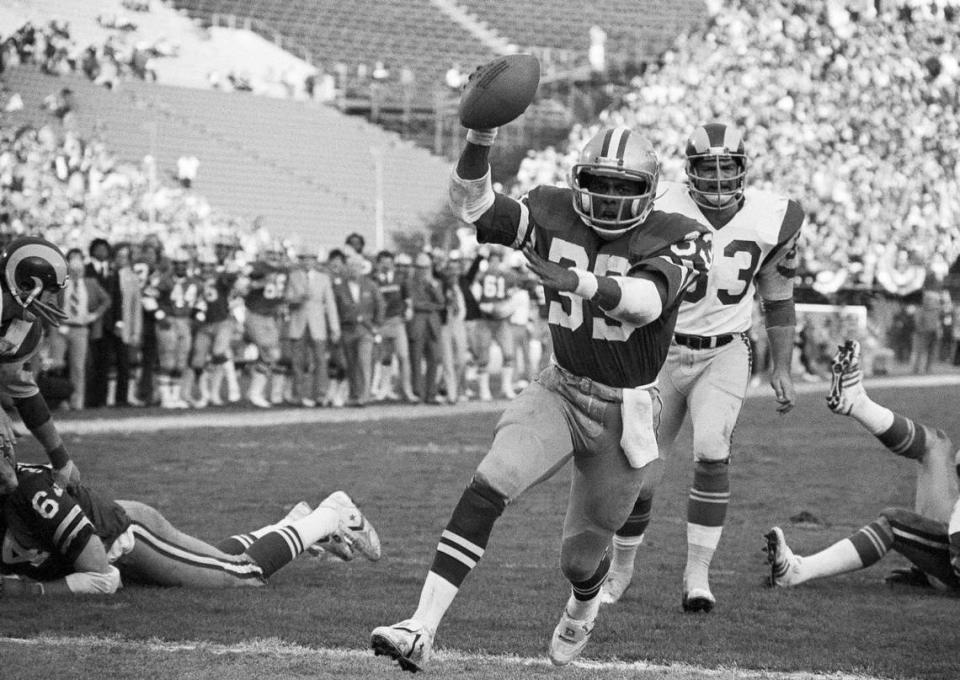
360 308
395 291
85 302
127 325
427 300
313 323
454 348
103 343
928 329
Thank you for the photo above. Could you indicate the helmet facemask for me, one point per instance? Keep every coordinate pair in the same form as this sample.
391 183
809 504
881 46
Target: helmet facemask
33 303
716 179
615 206
716 166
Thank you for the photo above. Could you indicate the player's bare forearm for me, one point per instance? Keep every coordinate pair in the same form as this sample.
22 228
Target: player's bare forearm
781 357
781 340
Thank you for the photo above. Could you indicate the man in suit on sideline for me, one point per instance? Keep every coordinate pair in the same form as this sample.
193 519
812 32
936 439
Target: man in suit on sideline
313 322
361 309
104 346
86 303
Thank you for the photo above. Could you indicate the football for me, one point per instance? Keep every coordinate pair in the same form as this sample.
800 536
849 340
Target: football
499 91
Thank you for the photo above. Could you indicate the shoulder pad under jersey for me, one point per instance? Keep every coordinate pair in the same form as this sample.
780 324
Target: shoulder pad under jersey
551 208
662 229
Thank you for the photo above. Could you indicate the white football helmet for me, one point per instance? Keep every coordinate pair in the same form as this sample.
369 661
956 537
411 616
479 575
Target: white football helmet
622 154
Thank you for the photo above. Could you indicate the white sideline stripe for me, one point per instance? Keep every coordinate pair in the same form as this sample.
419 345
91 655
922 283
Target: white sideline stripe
188 420
274 647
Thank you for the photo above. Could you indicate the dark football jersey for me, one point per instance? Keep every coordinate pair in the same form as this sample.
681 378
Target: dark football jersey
178 296
267 286
667 247
497 284
393 289
48 527
216 296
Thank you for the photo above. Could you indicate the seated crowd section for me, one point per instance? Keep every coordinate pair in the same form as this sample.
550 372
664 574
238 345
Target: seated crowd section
851 111
851 108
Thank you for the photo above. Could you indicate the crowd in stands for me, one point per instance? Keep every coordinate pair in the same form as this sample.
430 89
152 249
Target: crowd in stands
53 49
849 107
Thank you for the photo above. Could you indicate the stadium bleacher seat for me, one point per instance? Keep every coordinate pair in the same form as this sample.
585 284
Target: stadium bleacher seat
308 169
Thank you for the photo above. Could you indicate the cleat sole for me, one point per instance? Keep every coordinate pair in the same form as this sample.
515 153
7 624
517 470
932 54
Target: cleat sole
697 604
384 647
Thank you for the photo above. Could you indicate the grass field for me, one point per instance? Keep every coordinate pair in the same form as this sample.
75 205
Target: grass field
314 619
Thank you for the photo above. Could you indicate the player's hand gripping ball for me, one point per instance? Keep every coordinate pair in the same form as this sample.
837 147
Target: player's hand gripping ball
499 91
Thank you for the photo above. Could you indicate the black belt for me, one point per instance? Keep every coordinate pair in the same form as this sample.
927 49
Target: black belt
704 342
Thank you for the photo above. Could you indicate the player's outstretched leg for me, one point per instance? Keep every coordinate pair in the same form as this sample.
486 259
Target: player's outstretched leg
579 616
862 549
847 397
355 530
461 547
846 379
784 565
409 643
626 542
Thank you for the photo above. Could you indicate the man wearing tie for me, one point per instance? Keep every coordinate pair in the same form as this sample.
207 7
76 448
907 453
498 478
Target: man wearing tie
85 302
360 307
103 343
313 321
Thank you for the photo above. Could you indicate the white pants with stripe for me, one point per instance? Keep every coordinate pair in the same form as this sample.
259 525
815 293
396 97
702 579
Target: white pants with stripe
162 555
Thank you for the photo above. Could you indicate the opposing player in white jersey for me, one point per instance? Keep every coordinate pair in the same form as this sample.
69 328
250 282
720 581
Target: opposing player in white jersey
928 534
707 371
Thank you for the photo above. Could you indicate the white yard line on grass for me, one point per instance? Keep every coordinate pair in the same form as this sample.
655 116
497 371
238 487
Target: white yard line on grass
185 420
274 647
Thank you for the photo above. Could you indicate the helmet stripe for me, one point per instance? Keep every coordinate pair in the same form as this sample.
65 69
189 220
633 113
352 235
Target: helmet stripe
41 250
731 139
615 139
605 147
622 146
700 139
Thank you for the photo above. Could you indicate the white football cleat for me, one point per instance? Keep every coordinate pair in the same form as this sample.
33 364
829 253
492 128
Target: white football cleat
355 530
569 638
409 643
846 381
258 400
298 511
698 600
783 563
332 547
615 586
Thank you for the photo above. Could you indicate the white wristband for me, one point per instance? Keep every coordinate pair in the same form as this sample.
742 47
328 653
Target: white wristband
482 137
587 284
